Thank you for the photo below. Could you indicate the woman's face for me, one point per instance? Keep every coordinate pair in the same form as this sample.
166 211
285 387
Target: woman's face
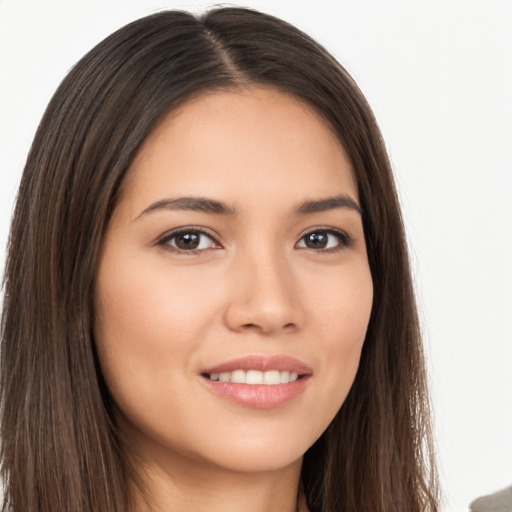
233 291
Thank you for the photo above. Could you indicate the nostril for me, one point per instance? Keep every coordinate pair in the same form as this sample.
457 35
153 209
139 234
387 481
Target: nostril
290 326
259 316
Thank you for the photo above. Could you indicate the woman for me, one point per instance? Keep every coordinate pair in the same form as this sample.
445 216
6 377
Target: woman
208 246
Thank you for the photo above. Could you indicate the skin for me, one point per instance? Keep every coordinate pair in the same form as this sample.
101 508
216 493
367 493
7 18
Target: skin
254 288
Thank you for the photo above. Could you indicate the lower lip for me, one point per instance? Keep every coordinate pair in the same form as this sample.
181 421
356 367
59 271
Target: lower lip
259 396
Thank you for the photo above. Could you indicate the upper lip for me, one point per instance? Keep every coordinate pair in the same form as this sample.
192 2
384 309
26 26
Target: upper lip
263 364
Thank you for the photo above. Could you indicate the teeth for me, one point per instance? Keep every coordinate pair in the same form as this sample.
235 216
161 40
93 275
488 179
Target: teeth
224 376
254 377
238 376
273 377
269 378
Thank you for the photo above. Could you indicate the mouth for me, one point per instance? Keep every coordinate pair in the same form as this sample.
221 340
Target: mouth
258 381
255 377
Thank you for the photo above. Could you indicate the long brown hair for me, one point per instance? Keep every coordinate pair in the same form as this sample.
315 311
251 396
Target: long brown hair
61 449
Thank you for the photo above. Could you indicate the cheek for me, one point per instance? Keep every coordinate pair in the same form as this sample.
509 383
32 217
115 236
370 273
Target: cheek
344 308
343 316
149 307
147 329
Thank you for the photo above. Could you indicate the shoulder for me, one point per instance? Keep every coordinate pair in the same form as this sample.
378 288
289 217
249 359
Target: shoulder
500 501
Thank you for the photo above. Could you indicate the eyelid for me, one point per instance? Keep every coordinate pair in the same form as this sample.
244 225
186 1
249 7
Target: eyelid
345 239
163 240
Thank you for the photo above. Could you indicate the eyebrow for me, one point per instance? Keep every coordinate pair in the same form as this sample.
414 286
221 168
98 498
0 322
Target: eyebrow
212 206
196 204
330 203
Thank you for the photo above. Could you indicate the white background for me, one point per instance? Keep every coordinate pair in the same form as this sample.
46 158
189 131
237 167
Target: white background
438 74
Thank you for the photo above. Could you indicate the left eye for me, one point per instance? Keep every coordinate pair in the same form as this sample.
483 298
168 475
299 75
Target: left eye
189 241
323 239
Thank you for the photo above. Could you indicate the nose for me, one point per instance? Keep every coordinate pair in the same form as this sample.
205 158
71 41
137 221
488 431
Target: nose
264 296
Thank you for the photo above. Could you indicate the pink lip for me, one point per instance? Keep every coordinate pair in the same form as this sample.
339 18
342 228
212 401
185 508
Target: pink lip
259 396
263 364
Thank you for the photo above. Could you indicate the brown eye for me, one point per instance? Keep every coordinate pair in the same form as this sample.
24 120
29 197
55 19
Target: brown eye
317 240
188 241
328 240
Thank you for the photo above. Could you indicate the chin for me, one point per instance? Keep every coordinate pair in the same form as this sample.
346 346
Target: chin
257 448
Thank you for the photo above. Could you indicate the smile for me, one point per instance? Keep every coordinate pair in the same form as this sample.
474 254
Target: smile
254 377
258 381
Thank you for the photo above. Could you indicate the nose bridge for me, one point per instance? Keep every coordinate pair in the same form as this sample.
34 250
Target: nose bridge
265 297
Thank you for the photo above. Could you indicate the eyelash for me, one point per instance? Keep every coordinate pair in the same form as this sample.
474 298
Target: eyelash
345 241
164 241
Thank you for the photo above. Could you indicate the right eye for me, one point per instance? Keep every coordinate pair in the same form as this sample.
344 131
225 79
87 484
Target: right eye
188 241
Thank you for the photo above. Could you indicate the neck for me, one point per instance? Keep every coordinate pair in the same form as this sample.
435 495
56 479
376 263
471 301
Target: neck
183 484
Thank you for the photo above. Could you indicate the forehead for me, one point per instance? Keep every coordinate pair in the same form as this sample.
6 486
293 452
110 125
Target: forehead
250 140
